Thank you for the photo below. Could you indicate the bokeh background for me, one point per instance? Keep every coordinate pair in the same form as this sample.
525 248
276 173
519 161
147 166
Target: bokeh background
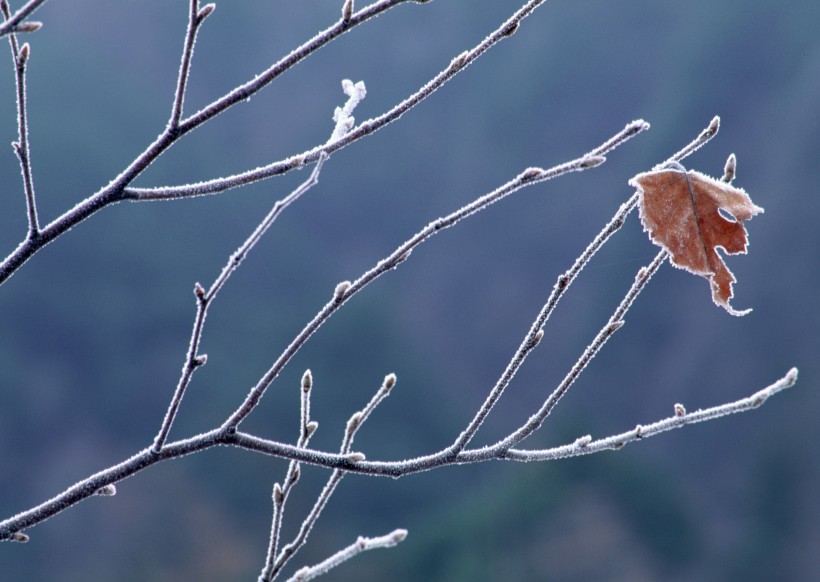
95 327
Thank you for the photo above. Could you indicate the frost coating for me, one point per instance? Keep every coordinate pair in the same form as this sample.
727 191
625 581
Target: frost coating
342 115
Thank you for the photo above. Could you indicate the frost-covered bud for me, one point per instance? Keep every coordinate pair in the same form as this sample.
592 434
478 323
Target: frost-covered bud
511 29
347 11
278 494
199 291
30 26
729 170
680 411
23 55
592 161
201 360
583 441
106 490
459 61
531 173
19 536
341 289
307 381
389 381
398 535
354 458
310 428
354 422
538 337
204 12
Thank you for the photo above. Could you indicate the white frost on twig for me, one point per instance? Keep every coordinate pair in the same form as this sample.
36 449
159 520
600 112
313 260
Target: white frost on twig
343 115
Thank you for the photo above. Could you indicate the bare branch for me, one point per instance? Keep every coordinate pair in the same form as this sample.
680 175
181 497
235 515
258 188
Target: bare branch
204 299
649 430
526 178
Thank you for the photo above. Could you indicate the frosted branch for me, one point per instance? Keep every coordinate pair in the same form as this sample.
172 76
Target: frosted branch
361 545
526 178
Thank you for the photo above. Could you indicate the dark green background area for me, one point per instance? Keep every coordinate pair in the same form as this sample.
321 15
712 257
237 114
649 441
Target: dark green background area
93 330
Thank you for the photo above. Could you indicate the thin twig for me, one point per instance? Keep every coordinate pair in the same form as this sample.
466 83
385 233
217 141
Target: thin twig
195 19
586 446
281 492
20 58
273 568
193 360
615 322
362 545
526 178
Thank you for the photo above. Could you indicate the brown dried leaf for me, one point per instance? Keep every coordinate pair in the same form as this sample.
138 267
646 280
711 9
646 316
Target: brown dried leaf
679 210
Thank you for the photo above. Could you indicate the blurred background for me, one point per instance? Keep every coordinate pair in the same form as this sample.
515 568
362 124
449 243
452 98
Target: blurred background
95 326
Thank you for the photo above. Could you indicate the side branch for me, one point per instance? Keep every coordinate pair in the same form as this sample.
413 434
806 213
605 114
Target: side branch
346 290
365 128
11 527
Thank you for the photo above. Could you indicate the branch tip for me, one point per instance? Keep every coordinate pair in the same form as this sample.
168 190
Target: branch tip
389 382
712 129
730 169
23 55
199 291
307 381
